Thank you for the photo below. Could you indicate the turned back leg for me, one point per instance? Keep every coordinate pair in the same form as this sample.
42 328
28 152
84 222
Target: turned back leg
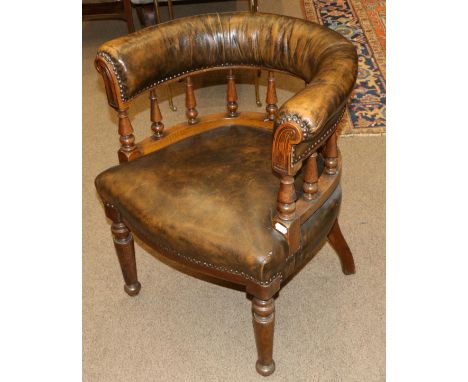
125 249
338 242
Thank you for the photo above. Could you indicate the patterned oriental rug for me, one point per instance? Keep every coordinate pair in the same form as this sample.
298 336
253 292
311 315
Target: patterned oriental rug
363 23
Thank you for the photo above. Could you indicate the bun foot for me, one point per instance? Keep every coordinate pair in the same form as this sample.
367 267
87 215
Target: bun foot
132 289
265 370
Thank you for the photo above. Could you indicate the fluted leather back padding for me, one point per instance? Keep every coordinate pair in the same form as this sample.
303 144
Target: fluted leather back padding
153 55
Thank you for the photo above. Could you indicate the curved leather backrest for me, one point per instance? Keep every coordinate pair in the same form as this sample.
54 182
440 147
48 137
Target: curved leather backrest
171 49
324 59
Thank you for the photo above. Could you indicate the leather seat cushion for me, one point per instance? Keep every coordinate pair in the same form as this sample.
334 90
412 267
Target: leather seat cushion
209 199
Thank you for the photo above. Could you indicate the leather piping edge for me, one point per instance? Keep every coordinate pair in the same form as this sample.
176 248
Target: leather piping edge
320 138
208 265
124 98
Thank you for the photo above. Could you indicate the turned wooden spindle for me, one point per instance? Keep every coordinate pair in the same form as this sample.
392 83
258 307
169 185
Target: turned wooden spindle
310 185
127 139
127 149
286 206
271 98
231 96
156 118
157 11
190 102
257 77
331 155
263 318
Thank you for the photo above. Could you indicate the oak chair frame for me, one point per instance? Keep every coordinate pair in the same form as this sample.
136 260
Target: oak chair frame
291 211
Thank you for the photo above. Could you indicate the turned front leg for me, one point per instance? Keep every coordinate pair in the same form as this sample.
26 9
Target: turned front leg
125 249
263 313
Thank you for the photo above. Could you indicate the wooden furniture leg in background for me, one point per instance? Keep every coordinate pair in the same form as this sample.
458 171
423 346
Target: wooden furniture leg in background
253 7
120 10
170 9
157 12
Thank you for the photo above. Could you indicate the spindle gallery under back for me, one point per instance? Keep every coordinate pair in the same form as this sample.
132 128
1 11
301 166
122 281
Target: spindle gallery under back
227 194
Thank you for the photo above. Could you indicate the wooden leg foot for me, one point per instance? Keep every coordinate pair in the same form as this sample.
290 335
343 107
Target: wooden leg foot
265 370
338 242
263 313
133 289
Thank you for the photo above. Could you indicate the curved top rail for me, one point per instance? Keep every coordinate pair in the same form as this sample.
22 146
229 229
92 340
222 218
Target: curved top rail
325 60
166 51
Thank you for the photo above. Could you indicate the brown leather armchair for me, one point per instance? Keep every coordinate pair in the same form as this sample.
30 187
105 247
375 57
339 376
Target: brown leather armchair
244 197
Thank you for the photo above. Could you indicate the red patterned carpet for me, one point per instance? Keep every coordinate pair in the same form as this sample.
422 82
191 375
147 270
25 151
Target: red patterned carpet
363 23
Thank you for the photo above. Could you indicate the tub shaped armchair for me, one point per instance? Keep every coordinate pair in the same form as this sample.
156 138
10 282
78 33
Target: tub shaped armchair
241 196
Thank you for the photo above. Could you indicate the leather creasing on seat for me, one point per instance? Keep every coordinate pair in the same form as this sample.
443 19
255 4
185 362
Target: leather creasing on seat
210 199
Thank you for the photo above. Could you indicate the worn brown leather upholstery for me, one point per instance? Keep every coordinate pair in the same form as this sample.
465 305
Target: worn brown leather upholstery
325 60
210 199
